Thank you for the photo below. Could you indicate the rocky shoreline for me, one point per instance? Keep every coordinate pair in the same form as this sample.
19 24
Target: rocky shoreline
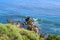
14 31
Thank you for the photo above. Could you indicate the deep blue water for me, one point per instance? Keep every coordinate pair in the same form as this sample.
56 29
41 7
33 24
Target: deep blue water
48 18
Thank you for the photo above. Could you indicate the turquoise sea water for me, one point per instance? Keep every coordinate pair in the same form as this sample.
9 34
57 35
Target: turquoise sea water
48 18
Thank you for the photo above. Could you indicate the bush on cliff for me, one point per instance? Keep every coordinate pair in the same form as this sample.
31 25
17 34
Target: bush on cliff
53 37
11 32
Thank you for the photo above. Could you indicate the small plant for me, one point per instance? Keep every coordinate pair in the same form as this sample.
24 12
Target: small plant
9 21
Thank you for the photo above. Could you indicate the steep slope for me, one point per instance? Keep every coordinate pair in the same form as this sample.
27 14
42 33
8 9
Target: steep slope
11 32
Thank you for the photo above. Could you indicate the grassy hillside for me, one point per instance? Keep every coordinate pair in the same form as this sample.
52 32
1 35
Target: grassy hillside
11 32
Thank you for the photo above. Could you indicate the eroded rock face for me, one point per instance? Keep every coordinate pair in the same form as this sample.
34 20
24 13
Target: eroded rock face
29 21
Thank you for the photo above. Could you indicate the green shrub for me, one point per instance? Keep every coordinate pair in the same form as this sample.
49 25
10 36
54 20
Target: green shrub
58 38
53 37
11 32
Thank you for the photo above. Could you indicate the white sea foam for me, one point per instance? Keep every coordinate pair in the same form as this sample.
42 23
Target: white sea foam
35 22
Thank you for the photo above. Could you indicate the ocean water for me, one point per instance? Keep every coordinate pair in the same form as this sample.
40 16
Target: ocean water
48 19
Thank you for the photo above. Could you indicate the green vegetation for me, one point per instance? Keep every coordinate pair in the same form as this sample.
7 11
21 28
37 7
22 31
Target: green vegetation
9 21
11 32
53 37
